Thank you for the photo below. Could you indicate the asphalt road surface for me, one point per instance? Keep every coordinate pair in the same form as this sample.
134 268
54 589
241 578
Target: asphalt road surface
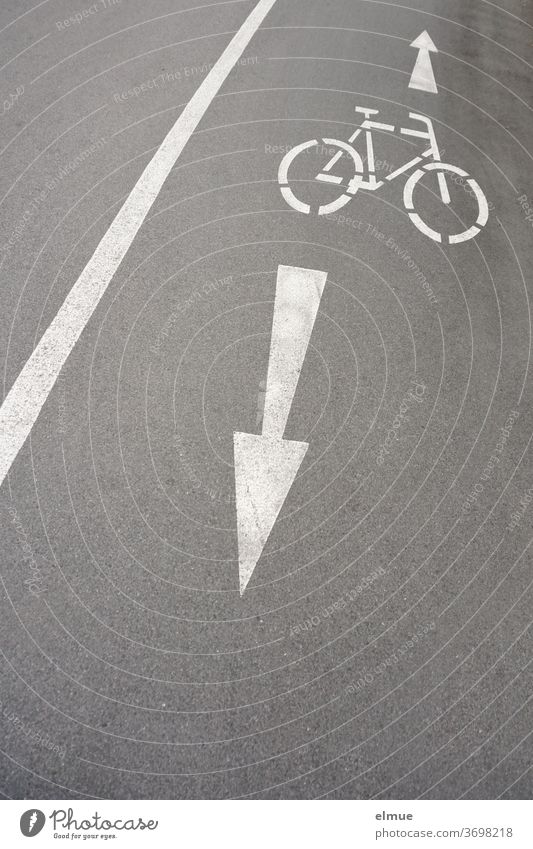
381 646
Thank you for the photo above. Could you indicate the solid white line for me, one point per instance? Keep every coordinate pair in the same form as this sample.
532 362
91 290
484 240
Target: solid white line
26 397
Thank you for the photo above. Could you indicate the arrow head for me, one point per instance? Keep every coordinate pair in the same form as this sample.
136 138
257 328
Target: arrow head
424 42
265 469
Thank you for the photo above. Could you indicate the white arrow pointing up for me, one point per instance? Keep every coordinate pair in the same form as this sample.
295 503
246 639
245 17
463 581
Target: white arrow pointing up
266 465
422 76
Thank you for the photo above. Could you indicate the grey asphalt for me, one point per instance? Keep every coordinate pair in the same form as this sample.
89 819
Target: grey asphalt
382 647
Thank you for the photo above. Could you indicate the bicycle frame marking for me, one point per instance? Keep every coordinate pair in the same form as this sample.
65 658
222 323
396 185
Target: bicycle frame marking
372 184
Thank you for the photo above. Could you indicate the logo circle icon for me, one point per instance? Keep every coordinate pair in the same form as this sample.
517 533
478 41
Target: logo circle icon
32 822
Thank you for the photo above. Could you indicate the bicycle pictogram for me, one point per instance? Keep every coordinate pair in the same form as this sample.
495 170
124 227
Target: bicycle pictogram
364 177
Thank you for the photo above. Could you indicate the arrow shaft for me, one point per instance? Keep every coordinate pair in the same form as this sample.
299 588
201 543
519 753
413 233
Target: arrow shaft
298 294
422 77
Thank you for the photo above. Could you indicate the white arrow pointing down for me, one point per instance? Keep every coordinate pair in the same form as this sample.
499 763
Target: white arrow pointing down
266 465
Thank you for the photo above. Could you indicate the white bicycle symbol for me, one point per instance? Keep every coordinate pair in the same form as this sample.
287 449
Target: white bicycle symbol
371 184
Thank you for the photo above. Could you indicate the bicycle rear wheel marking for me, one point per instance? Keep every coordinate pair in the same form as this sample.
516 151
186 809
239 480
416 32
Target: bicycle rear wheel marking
323 209
293 201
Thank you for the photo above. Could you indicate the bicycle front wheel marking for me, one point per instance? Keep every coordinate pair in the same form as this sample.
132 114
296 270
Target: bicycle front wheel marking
409 205
441 167
482 217
424 228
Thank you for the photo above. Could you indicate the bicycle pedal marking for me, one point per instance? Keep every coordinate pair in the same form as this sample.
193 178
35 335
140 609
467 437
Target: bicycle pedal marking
328 178
364 177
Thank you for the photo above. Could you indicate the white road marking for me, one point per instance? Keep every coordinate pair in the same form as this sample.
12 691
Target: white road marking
441 168
26 397
327 208
266 465
422 77
298 294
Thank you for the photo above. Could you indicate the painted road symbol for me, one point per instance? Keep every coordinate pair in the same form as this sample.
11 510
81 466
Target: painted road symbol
423 77
266 465
364 174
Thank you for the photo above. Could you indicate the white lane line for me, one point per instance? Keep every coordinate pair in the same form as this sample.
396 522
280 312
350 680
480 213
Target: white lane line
26 397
